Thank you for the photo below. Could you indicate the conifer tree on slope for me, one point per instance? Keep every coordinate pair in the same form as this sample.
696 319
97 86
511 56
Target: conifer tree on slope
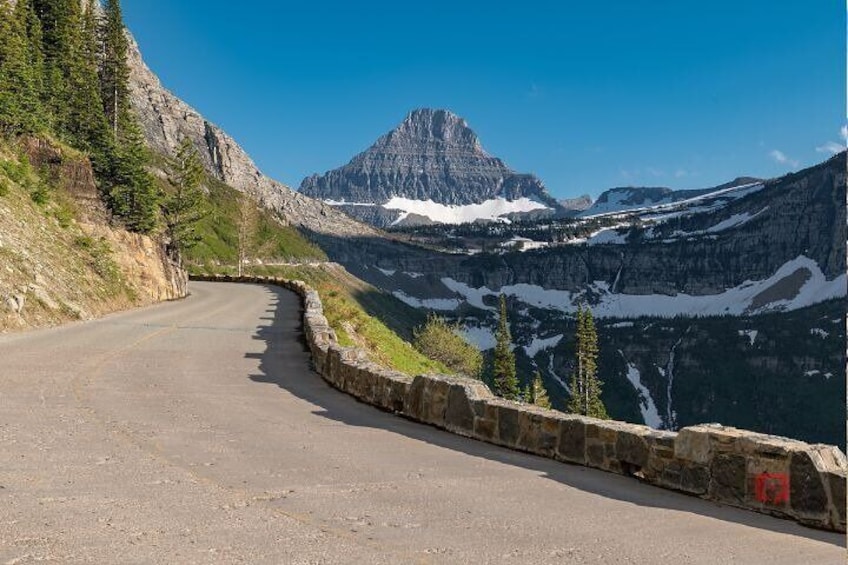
538 395
505 380
114 71
585 384
20 68
134 197
186 206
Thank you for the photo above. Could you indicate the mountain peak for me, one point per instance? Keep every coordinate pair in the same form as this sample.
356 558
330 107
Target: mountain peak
441 129
431 158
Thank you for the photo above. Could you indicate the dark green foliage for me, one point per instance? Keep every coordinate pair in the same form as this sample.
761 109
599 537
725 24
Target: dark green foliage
503 366
20 68
114 72
134 197
186 205
537 393
585 384
441 340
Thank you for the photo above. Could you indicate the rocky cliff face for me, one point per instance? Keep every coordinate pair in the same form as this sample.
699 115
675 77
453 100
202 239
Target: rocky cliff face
167 120
431 155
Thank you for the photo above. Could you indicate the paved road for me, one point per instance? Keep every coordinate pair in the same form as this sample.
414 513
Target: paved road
195 432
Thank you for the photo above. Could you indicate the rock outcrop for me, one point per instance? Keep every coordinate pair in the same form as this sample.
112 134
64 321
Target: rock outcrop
432 155
166 120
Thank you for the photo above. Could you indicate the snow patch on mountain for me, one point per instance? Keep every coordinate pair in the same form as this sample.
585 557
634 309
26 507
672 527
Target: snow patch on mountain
446 304
480 336
491 210
647 406
751 335
538 344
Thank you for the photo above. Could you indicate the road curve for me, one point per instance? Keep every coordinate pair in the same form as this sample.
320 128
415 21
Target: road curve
195 432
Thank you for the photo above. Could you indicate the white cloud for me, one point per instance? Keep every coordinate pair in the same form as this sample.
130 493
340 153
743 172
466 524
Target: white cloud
830 147
843 131
680 173
654 172
782 158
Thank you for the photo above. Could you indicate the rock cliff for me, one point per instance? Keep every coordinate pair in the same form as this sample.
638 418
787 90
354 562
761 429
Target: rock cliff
166 120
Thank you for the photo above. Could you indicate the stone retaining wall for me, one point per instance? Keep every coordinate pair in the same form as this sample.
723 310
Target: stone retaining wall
768 474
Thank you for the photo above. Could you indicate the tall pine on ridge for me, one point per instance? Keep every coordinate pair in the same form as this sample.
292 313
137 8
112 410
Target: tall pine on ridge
114 72
505 380
585 384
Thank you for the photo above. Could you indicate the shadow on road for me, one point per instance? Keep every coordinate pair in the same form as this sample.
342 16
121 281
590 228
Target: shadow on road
286 363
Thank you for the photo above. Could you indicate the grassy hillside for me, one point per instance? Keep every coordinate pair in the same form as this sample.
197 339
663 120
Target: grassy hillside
268 240
360 314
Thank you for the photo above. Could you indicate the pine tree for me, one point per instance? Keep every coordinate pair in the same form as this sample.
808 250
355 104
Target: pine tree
505 380
61 29
187 205
114 71
87 121
134 197
585 384
20 105
538 395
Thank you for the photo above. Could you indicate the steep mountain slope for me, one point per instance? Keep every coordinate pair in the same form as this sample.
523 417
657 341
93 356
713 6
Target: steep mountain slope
61 260
734 256
167 120
430 168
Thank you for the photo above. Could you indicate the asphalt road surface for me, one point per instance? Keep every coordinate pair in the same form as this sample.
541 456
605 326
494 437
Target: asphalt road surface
195 432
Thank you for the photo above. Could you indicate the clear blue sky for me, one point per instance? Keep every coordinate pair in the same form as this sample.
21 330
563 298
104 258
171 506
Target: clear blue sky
587 95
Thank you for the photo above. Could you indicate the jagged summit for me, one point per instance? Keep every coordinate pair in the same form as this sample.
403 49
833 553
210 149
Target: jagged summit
432 130
432 157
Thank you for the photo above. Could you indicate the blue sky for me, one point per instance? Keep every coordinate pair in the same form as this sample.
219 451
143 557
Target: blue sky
586 95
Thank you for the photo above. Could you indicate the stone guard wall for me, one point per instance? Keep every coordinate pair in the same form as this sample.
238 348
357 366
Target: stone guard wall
768 474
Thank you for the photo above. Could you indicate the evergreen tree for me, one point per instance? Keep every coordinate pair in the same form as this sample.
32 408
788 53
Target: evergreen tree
538 395
87 122
585 384
61 30
187 205
134 197
114 71
20 106
505 380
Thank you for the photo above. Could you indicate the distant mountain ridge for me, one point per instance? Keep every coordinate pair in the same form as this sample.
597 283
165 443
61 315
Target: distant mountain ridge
433 155
624 198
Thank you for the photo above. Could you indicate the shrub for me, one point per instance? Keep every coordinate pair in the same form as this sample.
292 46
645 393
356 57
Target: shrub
440 340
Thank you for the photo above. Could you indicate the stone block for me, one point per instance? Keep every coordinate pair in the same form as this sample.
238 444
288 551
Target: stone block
807 493
631 447
485 420
459 416
695 479
837 499
529 430
572 440
693 445
508 413
728 478
414 403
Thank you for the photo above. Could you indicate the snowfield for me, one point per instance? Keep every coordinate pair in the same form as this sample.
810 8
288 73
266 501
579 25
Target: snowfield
737 301
492 210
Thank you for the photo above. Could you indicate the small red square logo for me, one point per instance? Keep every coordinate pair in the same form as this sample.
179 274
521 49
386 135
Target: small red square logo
772 488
